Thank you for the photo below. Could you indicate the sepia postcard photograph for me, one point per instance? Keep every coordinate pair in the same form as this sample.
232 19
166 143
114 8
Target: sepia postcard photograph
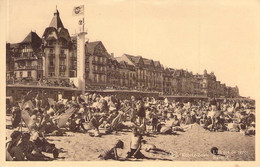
108 81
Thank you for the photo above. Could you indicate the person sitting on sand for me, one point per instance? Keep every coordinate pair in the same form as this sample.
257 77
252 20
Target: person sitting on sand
176 124
204 121
13 151
112 152
250 129
135 145
29 149
75 123
79 121
48 126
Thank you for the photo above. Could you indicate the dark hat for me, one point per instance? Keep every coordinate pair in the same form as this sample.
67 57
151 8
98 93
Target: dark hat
26 135
15 134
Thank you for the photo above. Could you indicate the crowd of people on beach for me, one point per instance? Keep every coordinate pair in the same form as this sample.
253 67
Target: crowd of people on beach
98 115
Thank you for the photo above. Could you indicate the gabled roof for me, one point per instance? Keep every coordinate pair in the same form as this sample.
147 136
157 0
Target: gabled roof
33 39
56 21
134 59
157 64
148 62
59 33
92 45
124 63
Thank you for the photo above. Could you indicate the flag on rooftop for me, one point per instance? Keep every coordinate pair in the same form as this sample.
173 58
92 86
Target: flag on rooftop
78 10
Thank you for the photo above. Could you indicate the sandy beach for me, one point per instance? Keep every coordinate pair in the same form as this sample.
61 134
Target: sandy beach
192 145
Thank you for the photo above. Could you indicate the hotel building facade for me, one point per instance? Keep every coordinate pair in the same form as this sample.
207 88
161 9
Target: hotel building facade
53 58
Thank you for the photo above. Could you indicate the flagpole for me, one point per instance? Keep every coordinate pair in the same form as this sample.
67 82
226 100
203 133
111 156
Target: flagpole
83 23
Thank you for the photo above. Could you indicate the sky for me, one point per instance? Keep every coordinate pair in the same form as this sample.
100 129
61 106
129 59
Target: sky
217 35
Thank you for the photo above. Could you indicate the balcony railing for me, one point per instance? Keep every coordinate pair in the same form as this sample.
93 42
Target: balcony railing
73 67
73 57
98 62
62 68
25 58
28 68
99 71
51 55
62 55
51 67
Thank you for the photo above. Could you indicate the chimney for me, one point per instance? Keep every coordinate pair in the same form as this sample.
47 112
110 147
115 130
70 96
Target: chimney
112 55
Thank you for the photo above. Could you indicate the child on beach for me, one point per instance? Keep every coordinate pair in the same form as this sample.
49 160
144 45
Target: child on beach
112 152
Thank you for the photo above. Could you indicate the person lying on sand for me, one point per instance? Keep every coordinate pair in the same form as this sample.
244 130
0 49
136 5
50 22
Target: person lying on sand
44 146
152 148
112 152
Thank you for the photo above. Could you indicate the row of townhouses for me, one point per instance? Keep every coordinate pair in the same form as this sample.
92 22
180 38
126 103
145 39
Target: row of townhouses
52 60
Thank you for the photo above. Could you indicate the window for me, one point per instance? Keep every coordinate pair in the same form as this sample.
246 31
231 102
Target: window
62 62
51 62
62 74
51 50
51 74
29 63
50 43
62 51
29 74
95 78
21 74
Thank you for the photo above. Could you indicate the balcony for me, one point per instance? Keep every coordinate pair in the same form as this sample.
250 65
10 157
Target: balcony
97 62
73 67
99 71
73 57
141 80
51 66
51 55
25 58
62 68
28 68
87 67
62 55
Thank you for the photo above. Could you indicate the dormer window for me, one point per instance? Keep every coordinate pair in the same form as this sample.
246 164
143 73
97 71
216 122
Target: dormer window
50 43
